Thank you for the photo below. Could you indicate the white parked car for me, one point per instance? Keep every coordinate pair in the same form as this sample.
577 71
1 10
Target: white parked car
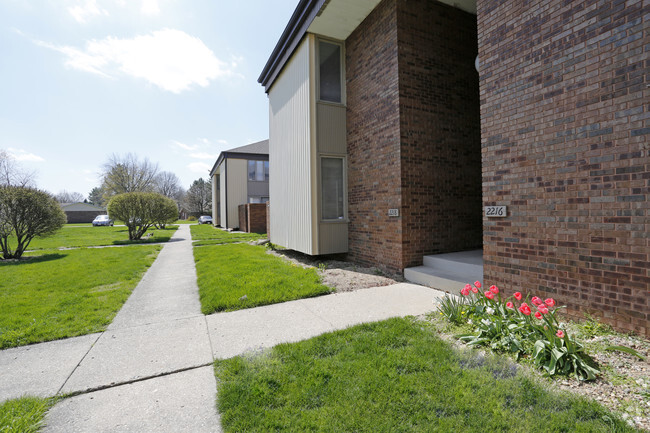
102 220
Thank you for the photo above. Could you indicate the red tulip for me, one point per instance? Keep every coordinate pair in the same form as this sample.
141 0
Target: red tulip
525 309
559 333
510 305
489 295
474 290
518 296
537 301
464 292
494 289
538 315
542 309
477 284
550 302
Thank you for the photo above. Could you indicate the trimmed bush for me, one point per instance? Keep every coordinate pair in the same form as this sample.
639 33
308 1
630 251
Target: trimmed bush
26 213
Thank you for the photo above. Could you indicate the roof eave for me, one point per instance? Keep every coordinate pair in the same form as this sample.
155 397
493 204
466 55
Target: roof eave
300 21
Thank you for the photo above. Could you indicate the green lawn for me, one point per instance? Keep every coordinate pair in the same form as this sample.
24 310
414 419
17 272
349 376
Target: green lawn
23 415
226 273
59 294
392 376
206 234
71 236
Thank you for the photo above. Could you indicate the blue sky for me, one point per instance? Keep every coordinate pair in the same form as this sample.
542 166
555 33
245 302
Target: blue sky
171 80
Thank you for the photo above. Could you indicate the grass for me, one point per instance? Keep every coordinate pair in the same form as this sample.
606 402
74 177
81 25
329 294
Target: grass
206 234
23 415
60 294
81 236
393 376
227 273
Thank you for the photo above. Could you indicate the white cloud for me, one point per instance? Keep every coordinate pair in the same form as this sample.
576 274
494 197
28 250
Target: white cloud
224 142
185 146
168 58
199 167
150 7
87 9
23 155
203 155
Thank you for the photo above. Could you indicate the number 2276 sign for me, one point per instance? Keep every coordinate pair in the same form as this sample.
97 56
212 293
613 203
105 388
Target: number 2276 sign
495 211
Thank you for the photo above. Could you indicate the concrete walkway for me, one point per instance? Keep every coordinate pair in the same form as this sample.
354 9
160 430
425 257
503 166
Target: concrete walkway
151 370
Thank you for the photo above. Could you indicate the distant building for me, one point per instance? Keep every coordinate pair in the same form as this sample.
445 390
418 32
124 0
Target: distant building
81 212
240 176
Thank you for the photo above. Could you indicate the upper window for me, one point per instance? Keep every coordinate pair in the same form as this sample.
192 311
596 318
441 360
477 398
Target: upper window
329 60
333 200
258 171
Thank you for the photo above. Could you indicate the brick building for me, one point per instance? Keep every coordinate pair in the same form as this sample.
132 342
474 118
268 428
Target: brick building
387 143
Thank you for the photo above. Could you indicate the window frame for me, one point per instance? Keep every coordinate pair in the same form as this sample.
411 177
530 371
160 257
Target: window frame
344 175
265 170
341 46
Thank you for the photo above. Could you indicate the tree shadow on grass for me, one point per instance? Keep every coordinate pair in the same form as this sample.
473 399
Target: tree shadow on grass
32 259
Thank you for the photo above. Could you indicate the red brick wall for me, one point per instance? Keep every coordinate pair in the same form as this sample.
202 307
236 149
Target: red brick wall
413 134
256 217
373 139
564 118
439 130
243 217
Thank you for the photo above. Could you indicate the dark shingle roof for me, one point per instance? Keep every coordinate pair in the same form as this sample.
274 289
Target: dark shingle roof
259 149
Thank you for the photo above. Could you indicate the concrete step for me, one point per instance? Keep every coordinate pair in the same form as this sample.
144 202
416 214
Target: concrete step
448 272
463 262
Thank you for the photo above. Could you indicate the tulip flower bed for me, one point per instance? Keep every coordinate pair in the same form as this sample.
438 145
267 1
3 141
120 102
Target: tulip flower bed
525 328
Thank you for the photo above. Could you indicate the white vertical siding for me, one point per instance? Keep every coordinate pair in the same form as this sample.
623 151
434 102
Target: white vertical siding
291 155
215 199
237 189
222 192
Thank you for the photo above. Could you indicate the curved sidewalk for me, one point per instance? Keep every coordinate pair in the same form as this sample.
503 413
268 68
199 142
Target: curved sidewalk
151 369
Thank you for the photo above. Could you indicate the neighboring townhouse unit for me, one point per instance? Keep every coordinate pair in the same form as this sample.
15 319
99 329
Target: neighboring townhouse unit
389 138
240 175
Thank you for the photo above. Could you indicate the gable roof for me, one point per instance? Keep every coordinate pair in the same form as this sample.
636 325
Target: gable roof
80 206
258 150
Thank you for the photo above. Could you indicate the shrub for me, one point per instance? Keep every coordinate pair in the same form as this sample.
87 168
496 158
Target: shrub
522 327
191 218
24 214
141 210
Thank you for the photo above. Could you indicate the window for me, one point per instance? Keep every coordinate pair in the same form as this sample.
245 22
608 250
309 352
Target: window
258 171
252 199
329 60
332 188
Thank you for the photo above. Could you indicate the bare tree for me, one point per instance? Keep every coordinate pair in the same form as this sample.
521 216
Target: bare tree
168 184
128 174
69 197
198 198
12 174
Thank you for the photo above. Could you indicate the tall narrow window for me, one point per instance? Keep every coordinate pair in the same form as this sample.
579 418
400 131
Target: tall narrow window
332 188
329 59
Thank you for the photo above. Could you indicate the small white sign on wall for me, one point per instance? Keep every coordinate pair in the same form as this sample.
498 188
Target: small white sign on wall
393 212
496 211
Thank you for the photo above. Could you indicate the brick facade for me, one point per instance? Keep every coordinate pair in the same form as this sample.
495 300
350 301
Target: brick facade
253 217
413 134
564 119
440 132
